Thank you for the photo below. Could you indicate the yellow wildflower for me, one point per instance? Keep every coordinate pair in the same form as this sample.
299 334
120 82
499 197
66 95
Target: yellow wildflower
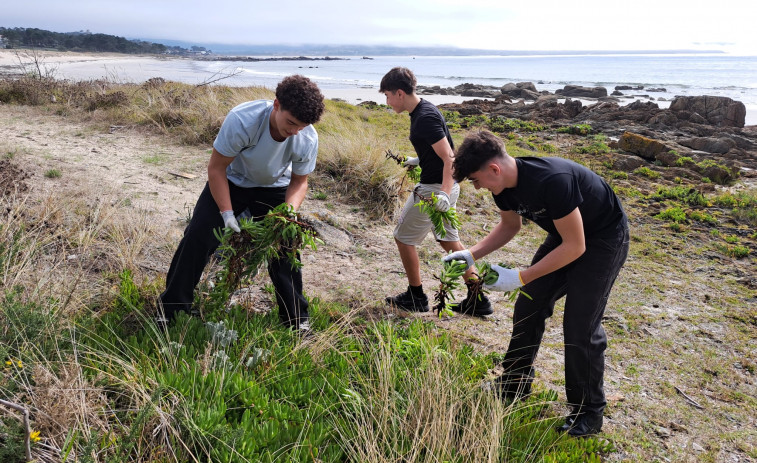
34 436
20 364
8 363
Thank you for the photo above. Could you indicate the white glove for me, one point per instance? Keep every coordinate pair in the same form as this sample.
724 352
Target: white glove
463 255
508 280
411 162
442 202
229 221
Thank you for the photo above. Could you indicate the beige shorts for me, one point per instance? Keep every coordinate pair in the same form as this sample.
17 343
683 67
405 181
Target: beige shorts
414 225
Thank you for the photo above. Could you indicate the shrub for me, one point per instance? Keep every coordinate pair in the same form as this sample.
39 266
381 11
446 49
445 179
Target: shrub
597 146
690 196
578 129
647 172
673 214
737 251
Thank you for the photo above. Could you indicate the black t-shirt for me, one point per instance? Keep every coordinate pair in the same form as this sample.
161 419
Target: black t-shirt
550 188
427 126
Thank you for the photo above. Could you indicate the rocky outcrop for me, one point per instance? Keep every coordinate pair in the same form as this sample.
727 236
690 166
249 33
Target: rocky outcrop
696 137
710 145
577 91
524 90
715 110
641 146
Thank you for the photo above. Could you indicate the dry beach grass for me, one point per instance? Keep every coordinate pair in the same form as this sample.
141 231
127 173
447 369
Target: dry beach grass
681 321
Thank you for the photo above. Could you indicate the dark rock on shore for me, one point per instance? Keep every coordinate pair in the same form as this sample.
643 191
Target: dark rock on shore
716 110
577 91
681 138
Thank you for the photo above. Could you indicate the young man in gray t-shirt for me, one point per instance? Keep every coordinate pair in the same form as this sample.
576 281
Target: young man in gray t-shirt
261 158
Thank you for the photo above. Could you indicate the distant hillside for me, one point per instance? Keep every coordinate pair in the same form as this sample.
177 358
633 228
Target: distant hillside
20 37
389 50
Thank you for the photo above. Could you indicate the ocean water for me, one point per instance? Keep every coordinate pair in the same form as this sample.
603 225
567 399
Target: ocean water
357 78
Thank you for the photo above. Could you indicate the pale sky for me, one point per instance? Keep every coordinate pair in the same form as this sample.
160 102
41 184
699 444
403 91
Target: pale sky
726 25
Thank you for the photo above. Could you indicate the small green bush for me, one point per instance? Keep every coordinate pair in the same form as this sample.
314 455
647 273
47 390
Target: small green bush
673 214
53 173
578 129
736 251
683 160
686 195
647 172
701 216
597 146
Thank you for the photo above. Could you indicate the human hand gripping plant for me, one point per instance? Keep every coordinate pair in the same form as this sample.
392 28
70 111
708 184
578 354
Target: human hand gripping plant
430 206
280 233
488 276
413 171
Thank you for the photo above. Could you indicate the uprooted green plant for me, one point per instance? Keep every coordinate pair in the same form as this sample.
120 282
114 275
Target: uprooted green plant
413 173
449 280
427 205
488 276
279 234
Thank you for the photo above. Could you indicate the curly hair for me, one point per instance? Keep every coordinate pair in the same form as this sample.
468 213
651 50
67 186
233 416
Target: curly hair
477 149
301 97
398 79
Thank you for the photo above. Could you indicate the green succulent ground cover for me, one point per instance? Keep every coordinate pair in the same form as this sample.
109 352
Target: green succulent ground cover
243 389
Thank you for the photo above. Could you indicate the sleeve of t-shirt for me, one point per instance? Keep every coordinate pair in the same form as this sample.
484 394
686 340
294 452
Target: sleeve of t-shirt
561 194
305 164
233 137
431 128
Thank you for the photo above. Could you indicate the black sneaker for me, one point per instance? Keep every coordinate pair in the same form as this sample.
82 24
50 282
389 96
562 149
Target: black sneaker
406 301
474 304
582 424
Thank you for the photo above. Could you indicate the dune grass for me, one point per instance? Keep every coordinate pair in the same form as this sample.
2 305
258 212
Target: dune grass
78 348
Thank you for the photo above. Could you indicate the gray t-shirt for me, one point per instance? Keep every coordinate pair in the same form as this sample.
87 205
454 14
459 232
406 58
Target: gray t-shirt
259 160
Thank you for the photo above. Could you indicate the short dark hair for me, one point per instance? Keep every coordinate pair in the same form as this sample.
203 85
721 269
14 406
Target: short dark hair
477 149
398 79
301 97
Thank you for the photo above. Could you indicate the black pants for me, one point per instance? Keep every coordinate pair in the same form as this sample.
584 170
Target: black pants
586 283
199 243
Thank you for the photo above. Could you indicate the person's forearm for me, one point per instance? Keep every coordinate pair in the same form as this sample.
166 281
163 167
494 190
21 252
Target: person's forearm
447 180
556 259
296 192
498 237
219 188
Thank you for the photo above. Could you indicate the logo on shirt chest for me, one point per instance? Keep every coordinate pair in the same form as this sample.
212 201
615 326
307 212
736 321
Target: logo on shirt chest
524 211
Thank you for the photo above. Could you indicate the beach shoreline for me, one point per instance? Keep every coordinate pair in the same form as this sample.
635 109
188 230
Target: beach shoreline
127 68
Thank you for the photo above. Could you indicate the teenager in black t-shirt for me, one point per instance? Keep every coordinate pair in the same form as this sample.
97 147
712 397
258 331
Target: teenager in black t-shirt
433 144
585 248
